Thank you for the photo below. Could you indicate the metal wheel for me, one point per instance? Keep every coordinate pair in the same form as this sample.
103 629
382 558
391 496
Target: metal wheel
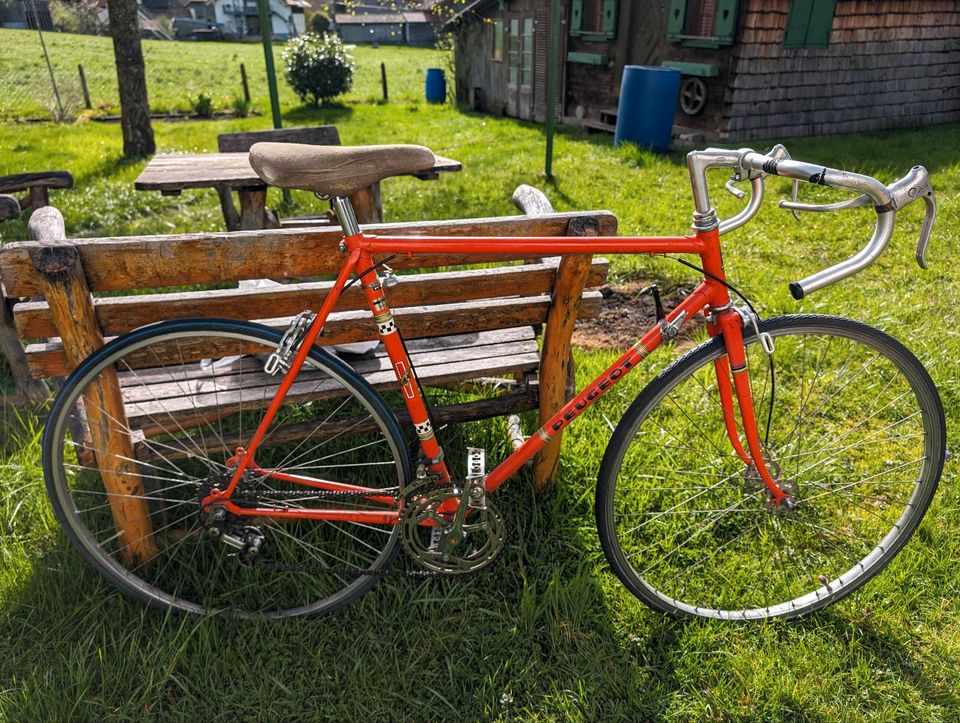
693 96
193 391
856 436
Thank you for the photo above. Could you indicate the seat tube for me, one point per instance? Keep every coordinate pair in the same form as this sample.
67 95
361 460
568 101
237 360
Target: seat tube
402 368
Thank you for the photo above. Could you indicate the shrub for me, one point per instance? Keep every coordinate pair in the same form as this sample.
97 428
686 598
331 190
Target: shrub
241 107
318 22
203 106
318 67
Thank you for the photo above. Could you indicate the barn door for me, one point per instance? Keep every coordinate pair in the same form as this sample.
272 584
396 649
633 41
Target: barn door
520 47
541 67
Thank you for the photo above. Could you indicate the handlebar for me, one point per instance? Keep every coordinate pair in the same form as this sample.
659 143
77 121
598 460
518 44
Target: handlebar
887 200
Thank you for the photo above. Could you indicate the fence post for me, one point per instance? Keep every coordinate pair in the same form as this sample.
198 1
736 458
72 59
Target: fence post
83 87
246 86
383 80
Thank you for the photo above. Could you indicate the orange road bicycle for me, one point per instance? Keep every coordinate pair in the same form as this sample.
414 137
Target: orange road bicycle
767 472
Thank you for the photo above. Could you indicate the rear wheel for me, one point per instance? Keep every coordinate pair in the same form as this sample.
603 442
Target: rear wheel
856 435
192 392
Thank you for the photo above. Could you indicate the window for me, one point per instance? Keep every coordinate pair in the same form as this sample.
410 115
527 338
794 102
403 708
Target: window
808 25
702 23
513 52
594 19
496 42
526 74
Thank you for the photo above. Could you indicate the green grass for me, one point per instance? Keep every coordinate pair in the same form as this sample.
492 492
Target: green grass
548 634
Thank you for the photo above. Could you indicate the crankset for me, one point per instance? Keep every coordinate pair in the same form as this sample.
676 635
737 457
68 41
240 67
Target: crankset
453 530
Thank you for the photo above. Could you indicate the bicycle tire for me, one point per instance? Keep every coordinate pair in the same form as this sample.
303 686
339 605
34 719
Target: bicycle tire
702 539
186 419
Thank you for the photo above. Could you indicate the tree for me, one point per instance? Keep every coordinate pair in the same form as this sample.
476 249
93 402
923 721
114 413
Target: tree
131 79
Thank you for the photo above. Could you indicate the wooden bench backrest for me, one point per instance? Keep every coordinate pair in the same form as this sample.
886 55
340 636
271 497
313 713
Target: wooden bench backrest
426 305
311 135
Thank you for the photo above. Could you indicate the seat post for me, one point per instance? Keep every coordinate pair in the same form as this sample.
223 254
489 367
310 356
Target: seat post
348 219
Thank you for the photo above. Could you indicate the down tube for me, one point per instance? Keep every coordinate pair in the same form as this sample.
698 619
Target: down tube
628 361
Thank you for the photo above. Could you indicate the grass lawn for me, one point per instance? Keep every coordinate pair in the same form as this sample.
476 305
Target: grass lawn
548 633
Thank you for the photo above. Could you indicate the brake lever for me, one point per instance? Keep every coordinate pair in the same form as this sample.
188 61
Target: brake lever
915 185
733 189
929 216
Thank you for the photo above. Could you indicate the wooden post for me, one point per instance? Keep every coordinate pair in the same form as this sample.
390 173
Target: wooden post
83 87
71 306
31 389
556 359
229 208
367 204
38 197
253 204
246 86
383 81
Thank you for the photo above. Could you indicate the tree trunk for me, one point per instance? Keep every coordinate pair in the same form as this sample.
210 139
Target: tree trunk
131 79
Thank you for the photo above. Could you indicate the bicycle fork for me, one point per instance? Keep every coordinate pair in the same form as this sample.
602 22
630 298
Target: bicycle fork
729 323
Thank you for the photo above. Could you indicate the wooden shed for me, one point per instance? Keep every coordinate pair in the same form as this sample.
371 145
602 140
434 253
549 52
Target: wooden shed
752 69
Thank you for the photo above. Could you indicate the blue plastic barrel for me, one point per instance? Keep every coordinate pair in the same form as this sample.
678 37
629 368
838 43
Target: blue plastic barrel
436 86
648 98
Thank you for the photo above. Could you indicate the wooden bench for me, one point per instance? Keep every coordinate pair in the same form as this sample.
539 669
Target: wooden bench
37 186
462 325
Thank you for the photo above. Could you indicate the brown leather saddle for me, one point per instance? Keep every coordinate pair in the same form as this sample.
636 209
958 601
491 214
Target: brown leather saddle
335 170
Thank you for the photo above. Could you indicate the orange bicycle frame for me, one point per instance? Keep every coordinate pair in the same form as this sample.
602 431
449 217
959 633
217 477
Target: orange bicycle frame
710 298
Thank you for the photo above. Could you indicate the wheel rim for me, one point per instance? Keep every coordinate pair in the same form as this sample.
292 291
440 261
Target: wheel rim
326 431
695 536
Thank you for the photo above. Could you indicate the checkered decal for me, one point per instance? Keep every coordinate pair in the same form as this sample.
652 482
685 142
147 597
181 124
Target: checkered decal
424 429
387 328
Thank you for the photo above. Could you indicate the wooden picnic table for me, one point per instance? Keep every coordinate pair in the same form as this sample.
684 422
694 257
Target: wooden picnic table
171 173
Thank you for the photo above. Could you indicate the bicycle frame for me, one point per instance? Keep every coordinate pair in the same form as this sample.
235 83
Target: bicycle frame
710 298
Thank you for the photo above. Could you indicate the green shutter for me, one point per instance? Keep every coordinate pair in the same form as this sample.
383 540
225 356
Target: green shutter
678 11
821 19
799 18
576 14
609 24
725 22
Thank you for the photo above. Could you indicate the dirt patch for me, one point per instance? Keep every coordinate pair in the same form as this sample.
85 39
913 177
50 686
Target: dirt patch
626 315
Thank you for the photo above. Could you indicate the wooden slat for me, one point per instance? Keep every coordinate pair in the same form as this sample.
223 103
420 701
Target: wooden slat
119 314
151 395
313 135
47 360
117 264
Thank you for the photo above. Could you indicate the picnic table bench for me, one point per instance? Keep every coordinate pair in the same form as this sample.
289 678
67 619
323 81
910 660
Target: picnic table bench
462 325
229 170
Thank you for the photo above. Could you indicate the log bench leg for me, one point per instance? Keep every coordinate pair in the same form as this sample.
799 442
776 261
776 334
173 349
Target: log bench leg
31 389
71 306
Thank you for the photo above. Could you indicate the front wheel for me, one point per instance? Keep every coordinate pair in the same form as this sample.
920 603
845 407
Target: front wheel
170 404
851 425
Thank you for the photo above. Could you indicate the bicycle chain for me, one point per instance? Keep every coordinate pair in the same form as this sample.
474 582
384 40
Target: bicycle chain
339 494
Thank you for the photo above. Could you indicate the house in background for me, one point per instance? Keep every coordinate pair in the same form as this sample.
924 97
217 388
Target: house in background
752 69
383 25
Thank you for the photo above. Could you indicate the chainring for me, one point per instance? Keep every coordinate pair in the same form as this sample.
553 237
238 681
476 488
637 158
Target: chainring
450 543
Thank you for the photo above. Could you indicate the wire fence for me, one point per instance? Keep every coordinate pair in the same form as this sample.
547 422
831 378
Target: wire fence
40 82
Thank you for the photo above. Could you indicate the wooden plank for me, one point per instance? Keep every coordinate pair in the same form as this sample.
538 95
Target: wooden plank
312 135
119 314
45 179
140 262
47 359
211 405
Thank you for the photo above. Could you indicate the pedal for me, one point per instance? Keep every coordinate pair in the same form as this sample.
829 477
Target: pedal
476 478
